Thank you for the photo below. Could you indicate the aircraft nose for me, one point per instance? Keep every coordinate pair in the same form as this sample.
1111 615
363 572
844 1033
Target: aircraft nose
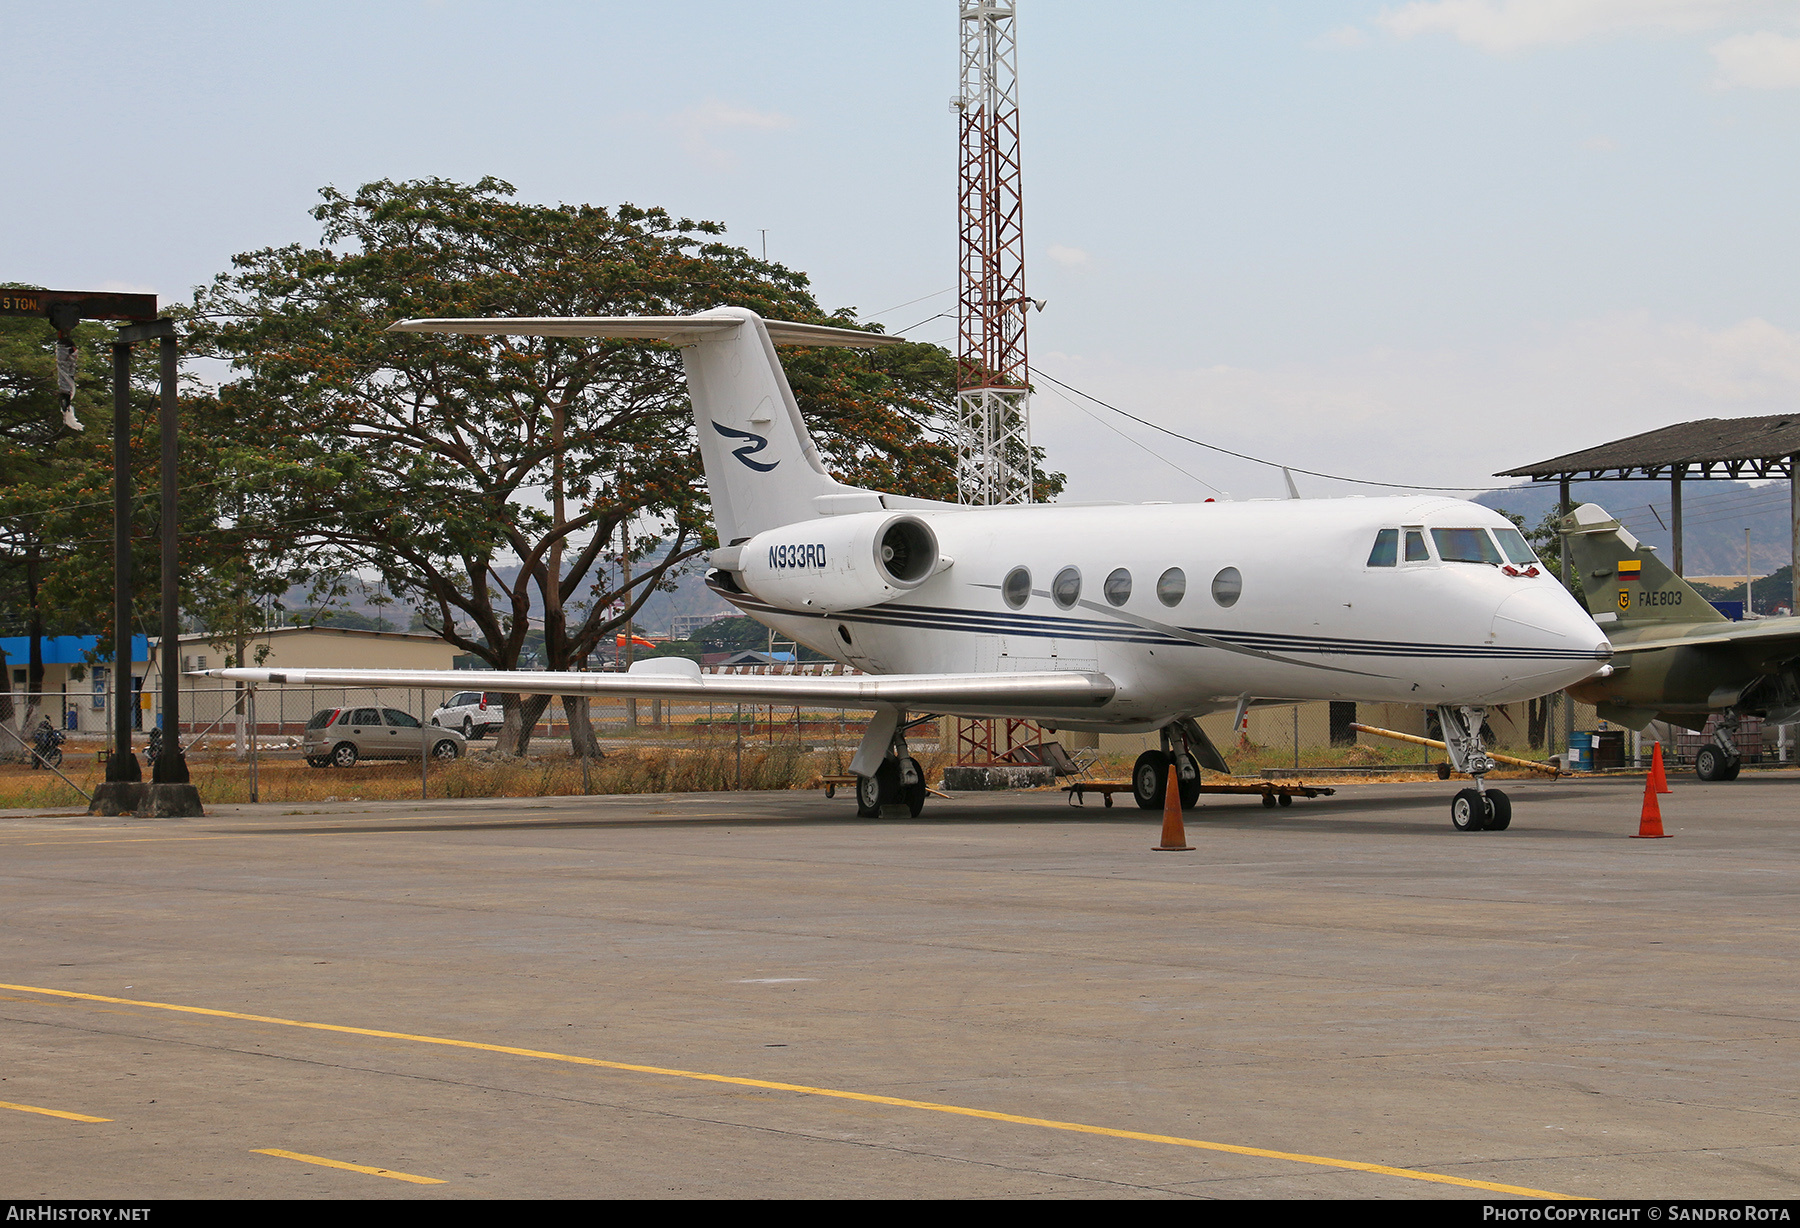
1549 619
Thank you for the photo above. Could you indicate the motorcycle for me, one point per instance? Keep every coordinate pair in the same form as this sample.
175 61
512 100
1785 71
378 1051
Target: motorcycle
46 745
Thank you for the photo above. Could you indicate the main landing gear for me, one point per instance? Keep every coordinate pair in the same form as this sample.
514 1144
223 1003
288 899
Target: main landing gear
1721 760
1480 808
1150 774
886 775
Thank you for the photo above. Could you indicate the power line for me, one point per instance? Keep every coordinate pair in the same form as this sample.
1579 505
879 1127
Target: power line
1139 443
1313 473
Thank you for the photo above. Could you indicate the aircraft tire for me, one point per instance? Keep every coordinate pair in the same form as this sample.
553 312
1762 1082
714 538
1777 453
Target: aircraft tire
1150 779
1499 810
1732 768
868 797
915 793
1711 764
1190 789
1467 811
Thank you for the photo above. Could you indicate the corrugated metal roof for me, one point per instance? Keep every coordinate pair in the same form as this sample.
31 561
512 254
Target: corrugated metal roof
1736 447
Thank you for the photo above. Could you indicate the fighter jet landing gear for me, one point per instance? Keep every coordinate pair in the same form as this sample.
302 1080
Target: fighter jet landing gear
898 779
1480 808
1721 760
1150 774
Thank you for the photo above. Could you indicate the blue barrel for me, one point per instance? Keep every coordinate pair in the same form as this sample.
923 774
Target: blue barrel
1581 752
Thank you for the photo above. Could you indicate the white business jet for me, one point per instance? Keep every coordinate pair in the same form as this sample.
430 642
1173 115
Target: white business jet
1118 618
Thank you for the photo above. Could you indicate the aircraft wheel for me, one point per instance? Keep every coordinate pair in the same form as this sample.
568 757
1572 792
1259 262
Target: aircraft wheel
1150 779
1285 799
1467 811
881 789
1190 788
343 755
868 797
1269 802
1732 767
1711 764
914 794
1499 810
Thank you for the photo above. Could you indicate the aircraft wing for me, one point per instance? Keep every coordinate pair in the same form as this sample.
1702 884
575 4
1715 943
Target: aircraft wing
680 679
1778 637
679 329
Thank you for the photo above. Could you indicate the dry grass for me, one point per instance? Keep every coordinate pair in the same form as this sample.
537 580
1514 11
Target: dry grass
220 778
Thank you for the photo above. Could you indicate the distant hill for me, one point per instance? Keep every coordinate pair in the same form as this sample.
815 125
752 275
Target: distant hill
1714 516
690 596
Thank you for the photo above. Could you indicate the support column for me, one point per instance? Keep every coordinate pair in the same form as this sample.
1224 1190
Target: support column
1675 564
171 765
121 764
1564 507
1794 527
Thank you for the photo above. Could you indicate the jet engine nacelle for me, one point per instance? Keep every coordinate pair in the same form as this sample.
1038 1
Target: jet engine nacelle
837 562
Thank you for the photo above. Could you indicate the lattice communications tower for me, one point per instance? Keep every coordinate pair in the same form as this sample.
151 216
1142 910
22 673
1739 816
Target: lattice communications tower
993 398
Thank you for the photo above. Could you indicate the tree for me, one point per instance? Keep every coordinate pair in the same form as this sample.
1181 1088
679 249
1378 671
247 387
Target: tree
440 464
45 465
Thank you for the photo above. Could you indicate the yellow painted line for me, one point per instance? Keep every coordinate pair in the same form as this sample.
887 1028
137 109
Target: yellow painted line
1171 1140
32 1108
355 1168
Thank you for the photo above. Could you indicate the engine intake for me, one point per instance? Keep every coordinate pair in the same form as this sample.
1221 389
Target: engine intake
838 562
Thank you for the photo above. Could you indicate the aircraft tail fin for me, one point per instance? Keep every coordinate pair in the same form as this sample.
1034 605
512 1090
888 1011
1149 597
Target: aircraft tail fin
761 466
1623 581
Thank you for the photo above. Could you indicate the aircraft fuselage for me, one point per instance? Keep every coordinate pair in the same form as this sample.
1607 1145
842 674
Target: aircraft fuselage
1187 607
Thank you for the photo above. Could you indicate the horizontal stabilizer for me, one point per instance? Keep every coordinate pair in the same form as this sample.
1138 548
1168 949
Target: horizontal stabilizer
957 694
678 329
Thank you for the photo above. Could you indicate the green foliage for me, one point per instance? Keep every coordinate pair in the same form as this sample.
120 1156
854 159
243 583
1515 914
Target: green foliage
1769 593
732 635
434 460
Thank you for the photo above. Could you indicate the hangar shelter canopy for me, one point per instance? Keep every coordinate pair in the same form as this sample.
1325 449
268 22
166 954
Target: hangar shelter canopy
1712 448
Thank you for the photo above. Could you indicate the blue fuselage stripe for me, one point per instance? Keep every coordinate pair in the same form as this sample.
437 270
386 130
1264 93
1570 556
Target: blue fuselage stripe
978 622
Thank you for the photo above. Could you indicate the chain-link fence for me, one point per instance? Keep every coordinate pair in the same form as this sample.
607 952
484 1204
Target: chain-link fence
219 716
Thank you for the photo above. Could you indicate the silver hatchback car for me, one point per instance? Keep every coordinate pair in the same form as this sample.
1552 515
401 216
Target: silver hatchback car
338 737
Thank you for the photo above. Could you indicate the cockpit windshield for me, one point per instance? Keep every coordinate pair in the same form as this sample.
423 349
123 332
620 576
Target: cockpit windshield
1465 546
1517 551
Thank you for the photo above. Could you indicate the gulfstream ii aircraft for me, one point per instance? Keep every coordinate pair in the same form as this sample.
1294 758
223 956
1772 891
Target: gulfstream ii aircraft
1118 618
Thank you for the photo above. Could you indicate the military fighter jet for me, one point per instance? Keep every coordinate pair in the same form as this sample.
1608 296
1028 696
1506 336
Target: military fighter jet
1675 657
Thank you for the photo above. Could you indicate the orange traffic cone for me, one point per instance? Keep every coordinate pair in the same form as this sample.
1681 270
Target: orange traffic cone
1174 837
1658 779
1650 822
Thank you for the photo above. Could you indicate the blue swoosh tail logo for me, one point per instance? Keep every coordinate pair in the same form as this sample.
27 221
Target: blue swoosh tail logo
757 444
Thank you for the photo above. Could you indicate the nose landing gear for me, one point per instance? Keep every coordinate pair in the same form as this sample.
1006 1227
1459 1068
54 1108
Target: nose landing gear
1480 808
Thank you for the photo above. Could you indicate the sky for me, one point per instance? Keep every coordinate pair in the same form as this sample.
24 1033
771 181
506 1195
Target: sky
1414 243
